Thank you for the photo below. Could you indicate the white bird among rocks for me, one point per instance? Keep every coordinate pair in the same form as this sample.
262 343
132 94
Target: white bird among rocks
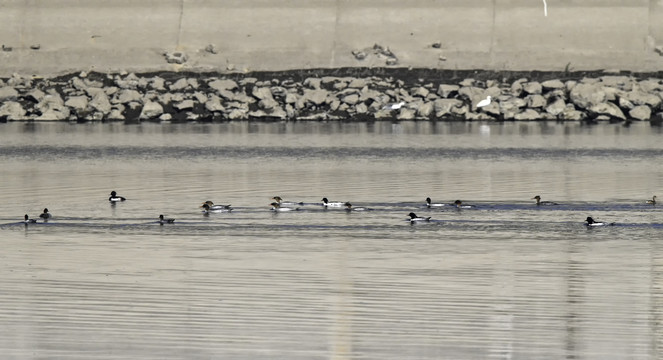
395 106
484 102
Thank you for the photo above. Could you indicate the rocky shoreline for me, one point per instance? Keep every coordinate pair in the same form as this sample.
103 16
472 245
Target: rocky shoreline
335 94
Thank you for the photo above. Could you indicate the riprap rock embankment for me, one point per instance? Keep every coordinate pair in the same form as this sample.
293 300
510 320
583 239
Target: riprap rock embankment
304 95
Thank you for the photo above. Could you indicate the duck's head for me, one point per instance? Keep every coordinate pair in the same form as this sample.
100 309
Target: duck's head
113 193
277 198
325 200
26 217
589 220
275 204
45 210
161 217
537 198
458 203
428 200
209 203
348 205
412 215
205 207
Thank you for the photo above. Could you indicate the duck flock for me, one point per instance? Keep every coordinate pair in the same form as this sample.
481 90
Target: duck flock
280 205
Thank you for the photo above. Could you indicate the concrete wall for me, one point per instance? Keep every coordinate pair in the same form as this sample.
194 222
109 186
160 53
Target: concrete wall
111 35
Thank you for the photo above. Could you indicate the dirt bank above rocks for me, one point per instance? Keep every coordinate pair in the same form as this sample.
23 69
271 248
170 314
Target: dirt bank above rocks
335 94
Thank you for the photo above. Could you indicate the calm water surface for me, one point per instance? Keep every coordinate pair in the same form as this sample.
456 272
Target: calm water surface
504 279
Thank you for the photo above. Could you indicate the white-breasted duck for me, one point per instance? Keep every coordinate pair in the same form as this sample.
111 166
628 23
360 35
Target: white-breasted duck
459 205
276 207
27 220
417 219
208 206
114 197
652 201
335 204
349 207
591 222
430 203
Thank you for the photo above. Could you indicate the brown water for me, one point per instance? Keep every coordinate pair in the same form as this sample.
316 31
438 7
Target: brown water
505 279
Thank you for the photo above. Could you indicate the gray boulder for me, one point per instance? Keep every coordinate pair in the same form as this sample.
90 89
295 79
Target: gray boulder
556 107
262 93
126 96
640 112
101 103
357 83
587 95
214 104
533 87
444 107
472 93
317 97
625 103
650 85
52 107
420 91
178 85
35 95
608 109
512 105
535 101
406 114
78 103
12 110
184 105
238 114
351 99
157 83
643 98
425 109
312 83
528 115
200 97
151 110
223 84
619 82
570 113
445 90
115 115
8 92
552 84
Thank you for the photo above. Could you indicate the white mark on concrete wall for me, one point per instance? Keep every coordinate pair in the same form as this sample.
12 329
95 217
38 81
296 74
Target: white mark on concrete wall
545 8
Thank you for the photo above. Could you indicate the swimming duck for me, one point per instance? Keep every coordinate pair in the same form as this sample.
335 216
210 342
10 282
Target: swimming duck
163 220
115 198
459 204
28 220
279 200
430 204
652 201
348 207
278 208
45 215
216 208
417 219
327 203
539 202
592 222
208 206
